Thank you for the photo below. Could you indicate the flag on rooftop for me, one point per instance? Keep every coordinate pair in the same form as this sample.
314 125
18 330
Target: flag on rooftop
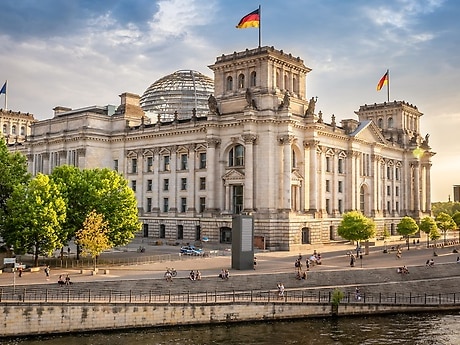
3 89
251 20
383 81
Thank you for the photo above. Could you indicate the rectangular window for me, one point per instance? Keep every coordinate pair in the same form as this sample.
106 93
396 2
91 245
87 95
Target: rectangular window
340 166
388 173
149 164
133 185
203 160
397 206
397 191
328 206
149 185
202 183
166 166
180 232
388 206
183 183
115 165
134 165
340 187
165 204
166 184
183 162
388 190
183 205
328 164
397 173
202 204
340 205
149 204
328 185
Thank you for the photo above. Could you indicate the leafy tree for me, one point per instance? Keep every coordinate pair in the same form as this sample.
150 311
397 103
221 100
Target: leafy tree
407 227
35 214
356 227
448 207
456 219
13 172
92 237
104 191
445 223
428 225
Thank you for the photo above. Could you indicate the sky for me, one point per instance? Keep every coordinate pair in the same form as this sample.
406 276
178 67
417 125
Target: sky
79 53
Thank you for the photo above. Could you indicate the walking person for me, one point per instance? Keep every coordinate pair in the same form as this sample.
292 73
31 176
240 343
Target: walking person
47 272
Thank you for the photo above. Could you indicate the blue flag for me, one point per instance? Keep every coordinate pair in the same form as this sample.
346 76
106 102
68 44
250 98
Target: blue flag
3 90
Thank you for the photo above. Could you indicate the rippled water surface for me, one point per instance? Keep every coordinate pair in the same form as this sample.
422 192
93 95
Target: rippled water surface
413 329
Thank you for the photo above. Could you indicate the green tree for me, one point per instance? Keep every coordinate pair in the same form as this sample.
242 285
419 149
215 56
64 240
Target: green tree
13 172
407 227
104 191
35 213
456 219
428 225
448 207
445 223
92 237
356 227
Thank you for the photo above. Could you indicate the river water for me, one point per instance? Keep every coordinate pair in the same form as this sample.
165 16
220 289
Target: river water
410 329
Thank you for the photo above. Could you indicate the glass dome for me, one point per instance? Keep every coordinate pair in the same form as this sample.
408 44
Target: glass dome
180 91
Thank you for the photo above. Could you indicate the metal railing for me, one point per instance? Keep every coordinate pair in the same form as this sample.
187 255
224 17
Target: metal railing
68 295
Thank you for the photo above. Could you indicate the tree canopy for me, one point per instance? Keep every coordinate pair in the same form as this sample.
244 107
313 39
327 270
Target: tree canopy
36 213
407 226
445 223
428 225
356 227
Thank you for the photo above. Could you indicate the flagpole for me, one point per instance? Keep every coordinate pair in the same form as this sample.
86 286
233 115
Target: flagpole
260 25
388 85
6 90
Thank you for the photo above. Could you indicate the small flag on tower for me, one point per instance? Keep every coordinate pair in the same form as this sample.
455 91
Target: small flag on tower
251 20
383 81
3 89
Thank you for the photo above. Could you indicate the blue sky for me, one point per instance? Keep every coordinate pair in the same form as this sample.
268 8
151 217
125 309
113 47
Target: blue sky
80 53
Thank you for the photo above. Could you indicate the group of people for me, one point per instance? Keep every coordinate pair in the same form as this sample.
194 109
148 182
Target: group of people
429 263
403 270
224 274
195 275
64 281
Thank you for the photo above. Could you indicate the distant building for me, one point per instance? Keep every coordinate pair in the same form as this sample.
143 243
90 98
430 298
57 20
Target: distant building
254 145
457 193
15 126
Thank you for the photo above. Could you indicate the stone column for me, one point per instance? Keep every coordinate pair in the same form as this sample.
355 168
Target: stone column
249 140
173 185
428 187
191 180
285 183
211 173
416 186
313 185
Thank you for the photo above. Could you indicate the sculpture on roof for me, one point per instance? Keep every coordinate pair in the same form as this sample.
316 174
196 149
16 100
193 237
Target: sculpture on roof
212 104
311 107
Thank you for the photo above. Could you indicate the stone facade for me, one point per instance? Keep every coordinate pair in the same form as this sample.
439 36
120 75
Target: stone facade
262 149
15 126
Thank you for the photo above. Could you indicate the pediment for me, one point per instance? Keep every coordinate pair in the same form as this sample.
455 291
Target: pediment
369 132
233 175
295 176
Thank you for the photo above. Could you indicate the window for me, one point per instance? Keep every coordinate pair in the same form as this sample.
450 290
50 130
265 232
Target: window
166 184
241 81
380 122
340 187
397 191
162 231
165 204
397 173
237 199
340 205
389 173
5 129
397 206
388 190
328 206
183 183
149 164
229 83
149 204
390 122
180 232
133 185
115 165
236 156
328 164
328 185
202 183
202 160
388 206
340 166
253 80
294 160
23 130
305 235
149 185
134 165
166 166
13 129
202 204
183 162
197 233
183 205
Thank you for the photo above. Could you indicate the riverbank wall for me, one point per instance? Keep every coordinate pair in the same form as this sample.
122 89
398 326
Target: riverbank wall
35 319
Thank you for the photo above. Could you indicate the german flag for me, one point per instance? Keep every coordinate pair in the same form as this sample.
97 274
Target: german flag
383 81
251 20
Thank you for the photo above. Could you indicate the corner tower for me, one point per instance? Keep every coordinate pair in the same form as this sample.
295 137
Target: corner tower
261 78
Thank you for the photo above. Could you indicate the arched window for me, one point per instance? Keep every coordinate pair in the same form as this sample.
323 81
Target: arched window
294 160
229 83
380 122
5 129
13 129
286 82
253 81
278 80
236 156
23 130
295 86
390 122
241 81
